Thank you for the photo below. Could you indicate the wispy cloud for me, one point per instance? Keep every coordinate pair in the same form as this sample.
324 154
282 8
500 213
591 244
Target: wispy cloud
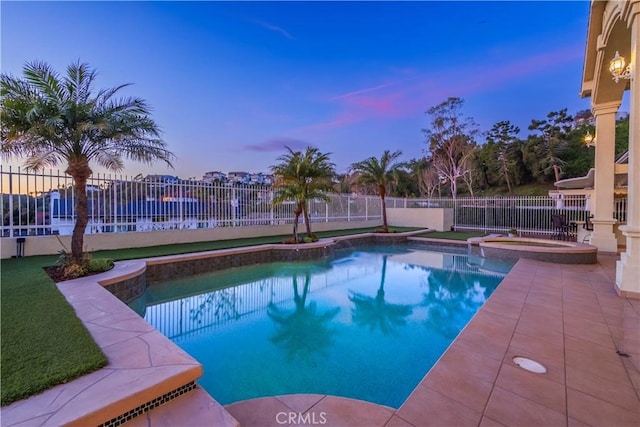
275 28
277 144
361 91
410 96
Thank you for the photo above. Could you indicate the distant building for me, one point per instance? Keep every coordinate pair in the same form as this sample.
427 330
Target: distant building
62 218
215 176
260 179
162 179
239 177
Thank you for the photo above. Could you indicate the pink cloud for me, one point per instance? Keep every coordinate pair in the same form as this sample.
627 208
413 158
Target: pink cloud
406 97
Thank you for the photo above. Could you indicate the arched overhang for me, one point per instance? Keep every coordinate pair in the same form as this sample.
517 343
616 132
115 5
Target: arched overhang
614 26
609 32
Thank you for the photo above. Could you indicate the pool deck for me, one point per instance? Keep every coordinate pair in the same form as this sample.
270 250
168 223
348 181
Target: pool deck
567 317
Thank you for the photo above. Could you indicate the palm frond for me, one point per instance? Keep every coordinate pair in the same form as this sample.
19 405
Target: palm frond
45 79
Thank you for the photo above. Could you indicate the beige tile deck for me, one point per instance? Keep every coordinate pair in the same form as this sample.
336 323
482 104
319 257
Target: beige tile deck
142 365
567 317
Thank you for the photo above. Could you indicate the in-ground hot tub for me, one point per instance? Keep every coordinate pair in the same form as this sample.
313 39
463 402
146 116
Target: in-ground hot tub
539 249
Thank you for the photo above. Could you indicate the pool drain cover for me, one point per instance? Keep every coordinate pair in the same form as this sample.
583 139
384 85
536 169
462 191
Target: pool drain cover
529 365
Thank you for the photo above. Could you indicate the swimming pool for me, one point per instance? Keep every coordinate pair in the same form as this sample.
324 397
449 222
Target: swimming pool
366 324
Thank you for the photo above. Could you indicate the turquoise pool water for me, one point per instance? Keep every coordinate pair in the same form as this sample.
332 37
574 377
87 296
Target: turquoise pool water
367 324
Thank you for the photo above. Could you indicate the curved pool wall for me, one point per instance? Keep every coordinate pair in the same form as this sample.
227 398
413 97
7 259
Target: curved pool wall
132 281
514 248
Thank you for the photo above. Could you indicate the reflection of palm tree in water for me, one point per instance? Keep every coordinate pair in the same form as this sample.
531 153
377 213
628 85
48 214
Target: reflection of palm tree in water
304 332
375 312
451 300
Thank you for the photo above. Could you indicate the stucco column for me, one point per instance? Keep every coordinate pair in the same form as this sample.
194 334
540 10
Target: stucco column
603 236
628 267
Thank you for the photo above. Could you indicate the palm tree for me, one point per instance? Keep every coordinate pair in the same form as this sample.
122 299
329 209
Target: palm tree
50 119
302 177
379 173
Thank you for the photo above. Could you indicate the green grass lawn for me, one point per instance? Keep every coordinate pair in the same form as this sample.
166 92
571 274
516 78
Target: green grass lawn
452 235
43 342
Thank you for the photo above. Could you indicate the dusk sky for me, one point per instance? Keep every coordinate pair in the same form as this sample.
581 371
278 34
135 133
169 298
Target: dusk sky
232 83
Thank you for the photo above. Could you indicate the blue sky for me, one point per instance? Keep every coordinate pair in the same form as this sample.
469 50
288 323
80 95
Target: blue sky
231 83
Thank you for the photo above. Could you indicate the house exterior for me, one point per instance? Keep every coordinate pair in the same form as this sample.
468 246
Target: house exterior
260 179
614 34
62 218
215 176
239 177
161 179
140 215
152 215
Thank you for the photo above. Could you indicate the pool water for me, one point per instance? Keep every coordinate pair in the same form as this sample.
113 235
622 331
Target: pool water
367 324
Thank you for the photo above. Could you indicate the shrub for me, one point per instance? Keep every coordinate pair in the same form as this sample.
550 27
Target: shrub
98 265
73 271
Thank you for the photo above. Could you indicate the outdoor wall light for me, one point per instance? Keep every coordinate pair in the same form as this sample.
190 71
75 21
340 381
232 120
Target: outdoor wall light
589 140
616 66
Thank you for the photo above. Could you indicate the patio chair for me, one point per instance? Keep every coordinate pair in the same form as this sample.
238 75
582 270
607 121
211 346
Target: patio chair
588 226
560 226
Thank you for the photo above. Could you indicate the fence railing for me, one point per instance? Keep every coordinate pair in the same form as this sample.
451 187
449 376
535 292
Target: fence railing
43 203
528 214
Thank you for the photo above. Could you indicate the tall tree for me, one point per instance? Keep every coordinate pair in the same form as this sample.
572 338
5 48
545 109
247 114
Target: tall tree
545 148
450 141
302 177
48 118
503 134
425 176
380 174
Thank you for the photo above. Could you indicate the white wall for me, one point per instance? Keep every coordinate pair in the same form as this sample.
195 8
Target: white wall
50 245
439 219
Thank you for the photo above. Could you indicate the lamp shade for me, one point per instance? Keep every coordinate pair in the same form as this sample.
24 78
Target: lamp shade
616 66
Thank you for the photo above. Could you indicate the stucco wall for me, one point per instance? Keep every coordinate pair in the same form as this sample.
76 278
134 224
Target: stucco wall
439 219
50 245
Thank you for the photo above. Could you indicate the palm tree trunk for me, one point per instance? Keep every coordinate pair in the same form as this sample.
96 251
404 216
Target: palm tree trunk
296 218
385 227
80 172
307 223
383 276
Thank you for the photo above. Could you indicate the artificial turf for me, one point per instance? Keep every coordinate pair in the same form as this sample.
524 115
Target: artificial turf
43 342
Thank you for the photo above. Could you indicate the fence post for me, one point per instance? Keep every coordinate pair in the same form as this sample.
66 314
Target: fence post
486 214
11 201
234 205
270 198
326 211
366 208
348 208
